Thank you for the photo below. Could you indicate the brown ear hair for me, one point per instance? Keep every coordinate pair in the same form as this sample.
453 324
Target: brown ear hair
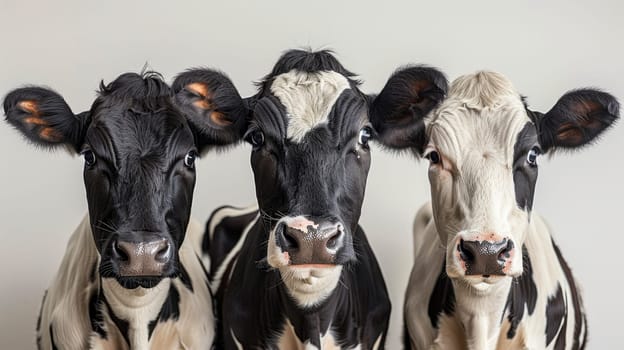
213 106
577 119
44 117
398 112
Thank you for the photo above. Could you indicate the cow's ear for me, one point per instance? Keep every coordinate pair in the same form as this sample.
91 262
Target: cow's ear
213 106
44 117
577 119
398 112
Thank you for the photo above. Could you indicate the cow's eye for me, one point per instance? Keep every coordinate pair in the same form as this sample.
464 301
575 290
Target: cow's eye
365 135
256 138
532 156
189 159
434 157
89 157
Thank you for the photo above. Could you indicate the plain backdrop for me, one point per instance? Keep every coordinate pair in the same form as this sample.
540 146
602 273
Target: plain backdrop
544 47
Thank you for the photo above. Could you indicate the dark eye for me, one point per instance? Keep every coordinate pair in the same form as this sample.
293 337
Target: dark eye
89 157
532 156
256 138
365 135
434 157
189 159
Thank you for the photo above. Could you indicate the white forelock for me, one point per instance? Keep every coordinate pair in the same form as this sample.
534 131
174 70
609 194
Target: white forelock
308 98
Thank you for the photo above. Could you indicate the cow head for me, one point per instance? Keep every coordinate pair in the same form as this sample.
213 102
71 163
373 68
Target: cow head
139 146
483 146
310 134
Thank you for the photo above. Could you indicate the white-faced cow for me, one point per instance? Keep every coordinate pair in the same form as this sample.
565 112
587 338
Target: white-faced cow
487 274
129 278
299 273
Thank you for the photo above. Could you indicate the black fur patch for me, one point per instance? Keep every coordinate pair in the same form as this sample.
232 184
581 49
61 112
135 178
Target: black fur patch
93 276
52 338
442 299
305 61
524 174
579 316
45 294
555 313
169 310
185 278
95 315
122 325
523 292
405 337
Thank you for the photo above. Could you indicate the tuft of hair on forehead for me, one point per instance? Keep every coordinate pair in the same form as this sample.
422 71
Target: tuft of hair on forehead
144 85
307 61
483 89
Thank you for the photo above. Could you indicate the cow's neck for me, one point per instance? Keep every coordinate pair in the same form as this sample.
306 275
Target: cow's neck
480 312
311 325
301 325
135 309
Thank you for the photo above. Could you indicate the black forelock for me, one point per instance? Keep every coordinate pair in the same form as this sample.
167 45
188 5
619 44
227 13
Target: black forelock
309 61
129 88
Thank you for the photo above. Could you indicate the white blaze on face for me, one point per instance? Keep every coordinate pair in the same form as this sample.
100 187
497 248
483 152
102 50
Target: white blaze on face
308 98
473 192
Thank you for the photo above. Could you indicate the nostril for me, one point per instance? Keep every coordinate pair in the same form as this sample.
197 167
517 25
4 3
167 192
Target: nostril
290 240
164 254
118 251
464 251
334 239
505 253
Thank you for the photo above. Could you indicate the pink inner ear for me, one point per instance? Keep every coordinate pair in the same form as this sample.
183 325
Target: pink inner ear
34 121
202 90
219 119
417 89
205 103
30 107
570 133
50 135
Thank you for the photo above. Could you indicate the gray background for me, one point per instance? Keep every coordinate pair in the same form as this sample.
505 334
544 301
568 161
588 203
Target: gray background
544 47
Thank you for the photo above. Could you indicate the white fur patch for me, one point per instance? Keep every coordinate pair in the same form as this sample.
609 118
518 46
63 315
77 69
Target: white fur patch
288 340
218 277
236 342
308 98
309 286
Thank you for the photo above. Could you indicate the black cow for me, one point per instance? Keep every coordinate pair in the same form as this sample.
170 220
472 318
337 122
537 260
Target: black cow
129 278
300 272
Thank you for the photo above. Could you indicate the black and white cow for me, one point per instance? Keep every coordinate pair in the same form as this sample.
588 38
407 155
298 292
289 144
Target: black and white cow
487 274
129 278
299 273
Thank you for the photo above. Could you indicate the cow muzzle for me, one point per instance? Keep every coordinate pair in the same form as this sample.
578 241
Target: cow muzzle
145 258
306 242
492 256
